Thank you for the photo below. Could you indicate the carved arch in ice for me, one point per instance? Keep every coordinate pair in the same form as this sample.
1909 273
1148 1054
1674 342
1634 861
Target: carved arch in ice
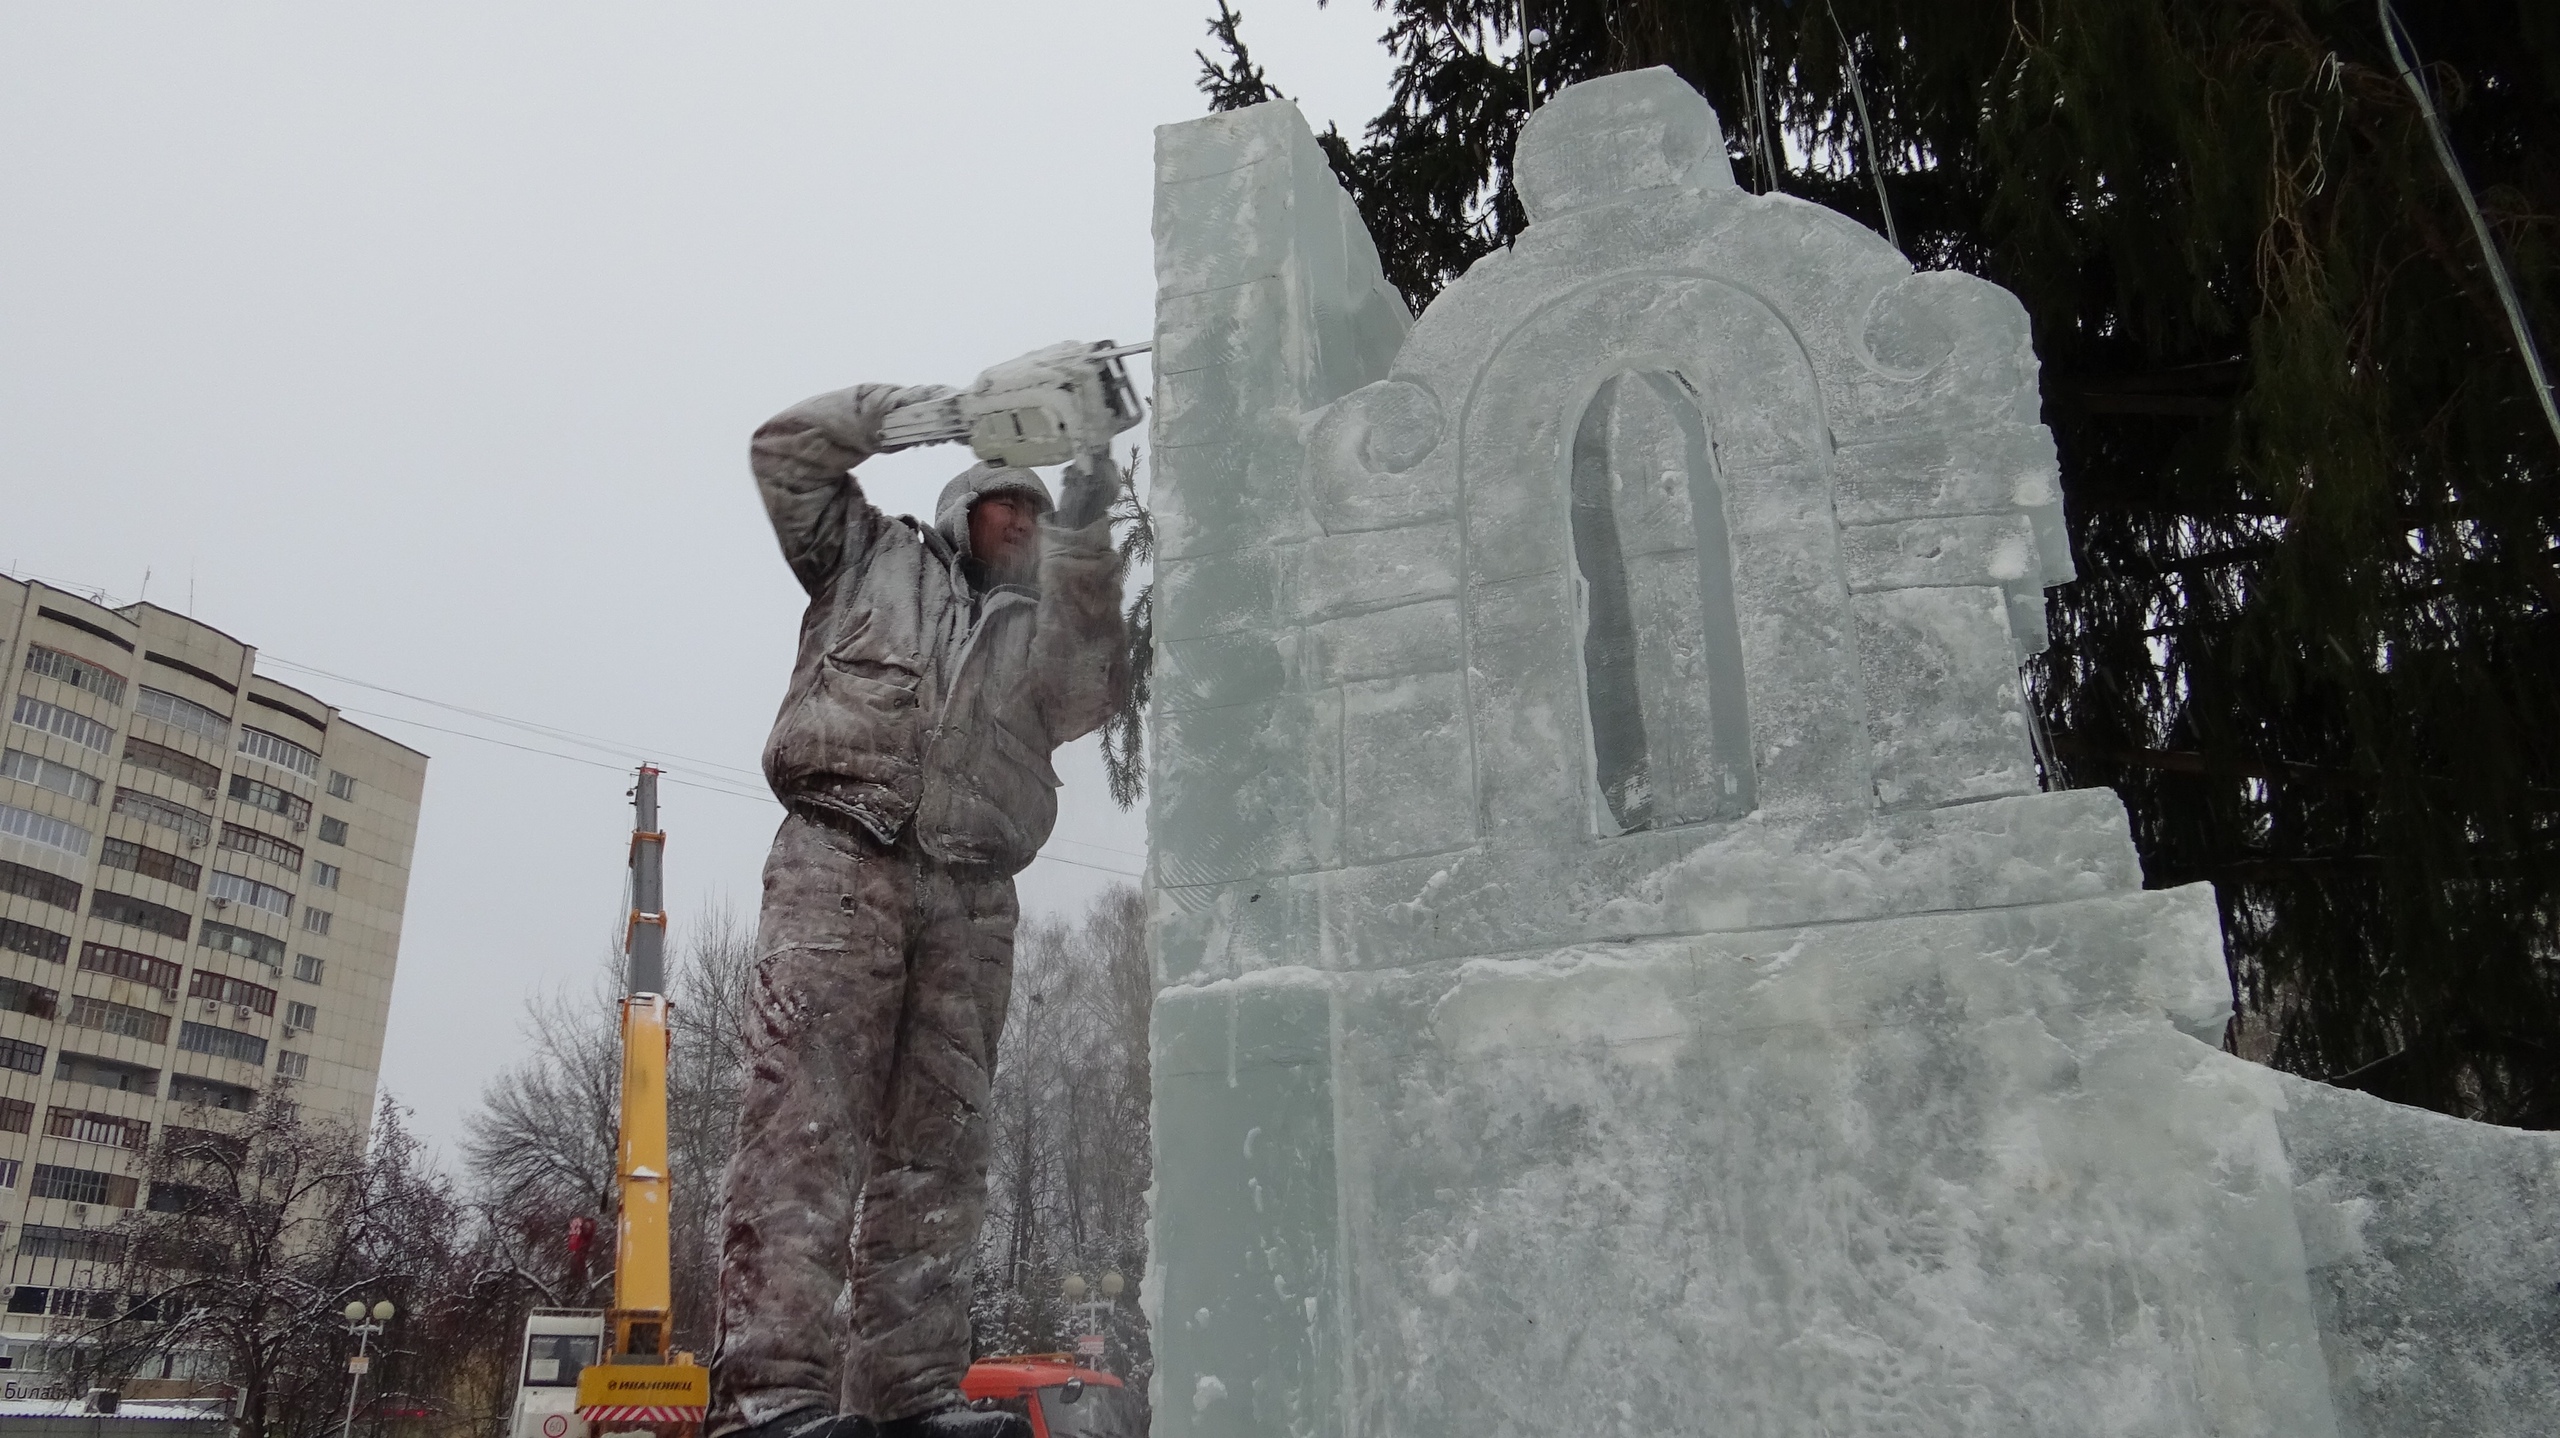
1650 448
1664 701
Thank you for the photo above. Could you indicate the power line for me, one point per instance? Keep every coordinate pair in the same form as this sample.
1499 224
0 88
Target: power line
591 741
732 793
716 780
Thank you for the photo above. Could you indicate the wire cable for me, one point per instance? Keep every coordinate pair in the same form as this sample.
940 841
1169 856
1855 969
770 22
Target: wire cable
1866 127
732 793
707 776
2394 35
592 741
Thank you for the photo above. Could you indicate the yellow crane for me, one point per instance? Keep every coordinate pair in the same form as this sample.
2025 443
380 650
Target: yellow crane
637 1385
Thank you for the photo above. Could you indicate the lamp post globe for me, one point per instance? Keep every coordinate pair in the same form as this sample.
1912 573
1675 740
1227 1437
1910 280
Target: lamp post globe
382 1311
1112 1283
1073 1287
355 1312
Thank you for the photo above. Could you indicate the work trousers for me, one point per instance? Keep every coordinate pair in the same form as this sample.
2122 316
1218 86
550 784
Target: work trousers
879 993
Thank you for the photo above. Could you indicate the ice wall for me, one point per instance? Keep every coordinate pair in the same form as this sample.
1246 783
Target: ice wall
1617 972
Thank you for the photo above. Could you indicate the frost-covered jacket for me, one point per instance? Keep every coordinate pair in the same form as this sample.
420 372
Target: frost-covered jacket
902 708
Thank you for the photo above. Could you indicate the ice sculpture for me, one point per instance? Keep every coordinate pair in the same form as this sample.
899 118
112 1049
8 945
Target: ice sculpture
1616 971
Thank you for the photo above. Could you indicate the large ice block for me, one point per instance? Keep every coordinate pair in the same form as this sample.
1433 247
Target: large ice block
1616 971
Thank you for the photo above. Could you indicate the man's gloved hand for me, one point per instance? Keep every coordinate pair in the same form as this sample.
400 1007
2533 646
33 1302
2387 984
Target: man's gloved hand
1089 485
920 414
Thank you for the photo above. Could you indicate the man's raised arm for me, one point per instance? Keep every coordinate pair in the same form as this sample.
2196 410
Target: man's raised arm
1081 649
803 460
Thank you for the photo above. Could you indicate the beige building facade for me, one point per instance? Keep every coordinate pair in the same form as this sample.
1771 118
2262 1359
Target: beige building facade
202 876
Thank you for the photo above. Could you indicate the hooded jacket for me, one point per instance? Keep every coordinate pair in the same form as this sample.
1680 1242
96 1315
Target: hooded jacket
920 701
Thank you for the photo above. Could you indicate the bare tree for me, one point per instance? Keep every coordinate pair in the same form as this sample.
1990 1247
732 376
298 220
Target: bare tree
541 1148
258 1229
705 1077
1068 1179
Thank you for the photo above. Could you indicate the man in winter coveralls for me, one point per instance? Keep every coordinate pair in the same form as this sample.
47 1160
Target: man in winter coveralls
939 665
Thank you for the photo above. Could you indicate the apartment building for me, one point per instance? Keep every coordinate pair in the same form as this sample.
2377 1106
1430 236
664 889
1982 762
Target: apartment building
202 873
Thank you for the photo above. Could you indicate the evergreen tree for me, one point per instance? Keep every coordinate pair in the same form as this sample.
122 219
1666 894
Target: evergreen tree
2308 466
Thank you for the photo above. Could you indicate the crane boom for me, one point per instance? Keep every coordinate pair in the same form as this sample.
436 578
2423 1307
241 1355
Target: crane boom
640 1385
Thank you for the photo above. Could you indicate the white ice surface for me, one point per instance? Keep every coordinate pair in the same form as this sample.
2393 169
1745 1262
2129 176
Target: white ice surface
1617 971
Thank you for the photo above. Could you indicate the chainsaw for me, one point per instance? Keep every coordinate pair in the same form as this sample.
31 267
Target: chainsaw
1046 407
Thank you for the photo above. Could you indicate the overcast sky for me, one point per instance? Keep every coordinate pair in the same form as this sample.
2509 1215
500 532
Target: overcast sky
419 345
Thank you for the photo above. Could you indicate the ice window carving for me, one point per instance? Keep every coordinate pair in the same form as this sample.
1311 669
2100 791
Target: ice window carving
1661 647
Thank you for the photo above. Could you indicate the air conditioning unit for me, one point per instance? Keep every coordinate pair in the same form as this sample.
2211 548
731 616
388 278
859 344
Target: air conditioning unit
290 1031
213 1006
301 824
194 843
211 792
221 903
239 1011
168 996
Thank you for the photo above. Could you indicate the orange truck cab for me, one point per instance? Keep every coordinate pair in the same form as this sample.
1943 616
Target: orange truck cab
1061 1399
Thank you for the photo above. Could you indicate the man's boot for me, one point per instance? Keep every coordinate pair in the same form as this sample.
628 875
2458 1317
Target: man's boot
957 1421
810 1422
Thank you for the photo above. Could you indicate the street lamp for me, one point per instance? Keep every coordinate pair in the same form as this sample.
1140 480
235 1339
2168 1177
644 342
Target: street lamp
1094 1312
355 1315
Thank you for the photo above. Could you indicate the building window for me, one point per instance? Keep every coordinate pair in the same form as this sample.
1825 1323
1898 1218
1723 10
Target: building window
28 882
325 875
106 1073
9 1178
195 825
44 830
63 723
42 943
25 1057
237 889
212 1093
16 1116
80 1245
185 768
140 913
302 1015
223 1043
282 752
150 863
223 989
133 1023
83 1126
308 967
317 920
270 798
138 968
341 786
257 948
80 674
292 1065
83 1185
203 1144
42 772
180 713
333 831
17 996
262 846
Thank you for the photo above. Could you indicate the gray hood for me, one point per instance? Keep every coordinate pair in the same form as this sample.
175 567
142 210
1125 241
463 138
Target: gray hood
951 511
